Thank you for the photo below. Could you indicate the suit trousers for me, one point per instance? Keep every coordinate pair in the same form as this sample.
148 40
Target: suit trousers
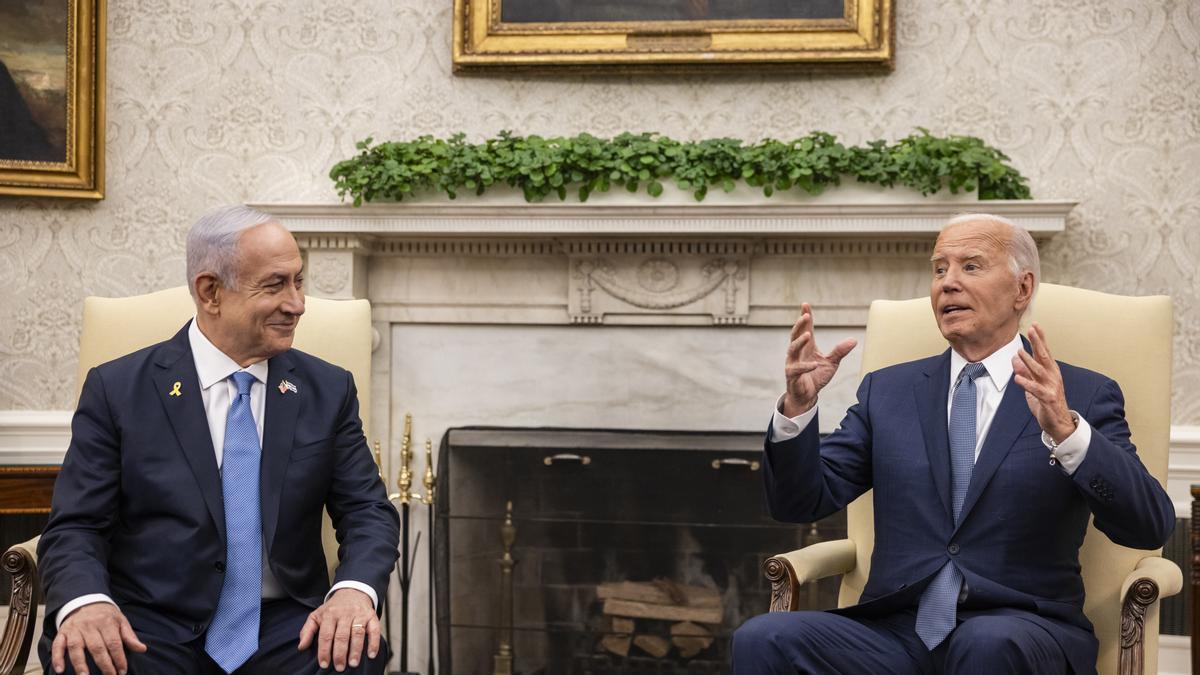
821 643
277 653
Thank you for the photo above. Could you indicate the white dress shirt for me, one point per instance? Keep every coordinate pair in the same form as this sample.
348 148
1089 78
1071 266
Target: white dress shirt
217 388
989 391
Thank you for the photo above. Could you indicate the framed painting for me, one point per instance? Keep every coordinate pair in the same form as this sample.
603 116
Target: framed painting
671 34
52 98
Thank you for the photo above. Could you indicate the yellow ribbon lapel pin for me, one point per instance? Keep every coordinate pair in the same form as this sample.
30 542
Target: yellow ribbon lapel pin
175 389
285 387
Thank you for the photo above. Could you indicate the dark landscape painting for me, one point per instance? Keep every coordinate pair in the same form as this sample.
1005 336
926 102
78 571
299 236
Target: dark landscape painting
558 11
33 81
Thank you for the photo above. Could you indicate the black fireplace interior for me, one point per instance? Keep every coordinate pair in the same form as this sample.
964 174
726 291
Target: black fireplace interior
670 525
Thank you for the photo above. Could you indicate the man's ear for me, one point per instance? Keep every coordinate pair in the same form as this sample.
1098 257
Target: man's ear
1024 290
208 293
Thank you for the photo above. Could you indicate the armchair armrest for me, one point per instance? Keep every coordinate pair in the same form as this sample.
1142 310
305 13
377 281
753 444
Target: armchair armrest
1154 577
788 571
20 561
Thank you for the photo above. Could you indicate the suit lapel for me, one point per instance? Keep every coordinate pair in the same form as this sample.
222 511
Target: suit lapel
1009 423
931 392
185 411
279 427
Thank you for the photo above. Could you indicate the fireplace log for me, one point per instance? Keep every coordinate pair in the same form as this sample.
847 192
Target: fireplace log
663 593
646 610
690 638
653 645
616 644
619 640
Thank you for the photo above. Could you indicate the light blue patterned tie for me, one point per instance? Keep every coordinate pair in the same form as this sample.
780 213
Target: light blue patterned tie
939 602
233 635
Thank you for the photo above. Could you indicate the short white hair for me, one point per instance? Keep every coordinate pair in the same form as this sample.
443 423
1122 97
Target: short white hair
213 239
1022 249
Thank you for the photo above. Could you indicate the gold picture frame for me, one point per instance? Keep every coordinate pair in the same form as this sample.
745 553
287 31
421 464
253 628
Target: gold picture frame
656 35
52 98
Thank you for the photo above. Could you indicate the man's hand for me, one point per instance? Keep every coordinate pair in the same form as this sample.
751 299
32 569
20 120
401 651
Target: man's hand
99 629
807 369
1039 376
341 624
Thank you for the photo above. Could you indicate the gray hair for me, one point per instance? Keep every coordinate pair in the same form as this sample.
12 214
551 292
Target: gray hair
1022 250
212 243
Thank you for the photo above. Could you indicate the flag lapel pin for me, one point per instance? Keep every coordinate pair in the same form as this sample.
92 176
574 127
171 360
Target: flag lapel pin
285 387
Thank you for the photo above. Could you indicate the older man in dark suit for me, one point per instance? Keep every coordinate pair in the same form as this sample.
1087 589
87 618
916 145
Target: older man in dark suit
986 462
185 532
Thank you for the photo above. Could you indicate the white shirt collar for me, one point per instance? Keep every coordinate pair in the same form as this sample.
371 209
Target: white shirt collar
213 365
998 363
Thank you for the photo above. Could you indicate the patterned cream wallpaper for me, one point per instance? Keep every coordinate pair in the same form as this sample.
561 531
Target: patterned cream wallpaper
216 101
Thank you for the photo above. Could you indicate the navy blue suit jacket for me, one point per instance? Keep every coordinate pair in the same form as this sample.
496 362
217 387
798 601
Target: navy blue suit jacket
1023 520
138 512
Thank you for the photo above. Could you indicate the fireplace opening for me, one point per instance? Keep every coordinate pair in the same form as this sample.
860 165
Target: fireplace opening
629 551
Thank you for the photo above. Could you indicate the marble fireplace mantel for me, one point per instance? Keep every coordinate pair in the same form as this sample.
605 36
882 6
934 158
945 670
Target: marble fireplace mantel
644 216
641 262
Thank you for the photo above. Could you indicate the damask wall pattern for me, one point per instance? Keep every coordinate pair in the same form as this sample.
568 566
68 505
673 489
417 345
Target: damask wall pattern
217 101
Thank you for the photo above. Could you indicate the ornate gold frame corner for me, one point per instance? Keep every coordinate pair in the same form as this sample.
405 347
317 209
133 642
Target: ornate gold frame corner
81 176
862 40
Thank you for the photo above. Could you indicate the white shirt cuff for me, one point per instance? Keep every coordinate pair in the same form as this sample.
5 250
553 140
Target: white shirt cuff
358 586
786 428
1073 449
89 599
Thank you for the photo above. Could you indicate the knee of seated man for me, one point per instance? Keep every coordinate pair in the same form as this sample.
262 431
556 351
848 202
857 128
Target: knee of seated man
765 630
758 631
986 637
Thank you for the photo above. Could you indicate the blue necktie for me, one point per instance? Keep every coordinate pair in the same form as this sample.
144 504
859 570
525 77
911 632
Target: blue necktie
233 634
936 614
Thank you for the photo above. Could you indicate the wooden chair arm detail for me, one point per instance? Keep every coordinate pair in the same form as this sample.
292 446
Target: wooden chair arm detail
788 571
20 561
1154 578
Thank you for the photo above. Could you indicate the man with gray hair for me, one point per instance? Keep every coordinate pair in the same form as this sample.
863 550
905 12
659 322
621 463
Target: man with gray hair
185 530
986 463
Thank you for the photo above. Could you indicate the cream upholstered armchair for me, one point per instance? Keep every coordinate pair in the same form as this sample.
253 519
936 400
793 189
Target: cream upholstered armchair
1126 338
338 331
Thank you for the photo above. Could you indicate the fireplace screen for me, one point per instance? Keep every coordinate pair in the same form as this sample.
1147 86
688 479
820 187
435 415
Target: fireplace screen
630 551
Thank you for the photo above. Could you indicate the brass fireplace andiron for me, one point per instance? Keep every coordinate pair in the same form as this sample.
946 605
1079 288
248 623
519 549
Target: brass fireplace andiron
502 662
404 567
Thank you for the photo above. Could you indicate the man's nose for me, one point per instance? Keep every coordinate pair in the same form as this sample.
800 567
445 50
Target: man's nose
294 303
950 279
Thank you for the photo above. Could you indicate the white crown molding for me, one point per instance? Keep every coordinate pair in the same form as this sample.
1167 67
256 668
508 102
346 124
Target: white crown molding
1184 467
34 437
759 217
1174 654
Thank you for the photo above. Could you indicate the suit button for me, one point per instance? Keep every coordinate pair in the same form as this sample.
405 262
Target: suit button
196 628
953 549
219 565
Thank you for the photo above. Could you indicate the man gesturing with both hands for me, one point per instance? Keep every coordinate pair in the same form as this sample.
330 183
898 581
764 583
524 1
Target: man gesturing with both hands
986 462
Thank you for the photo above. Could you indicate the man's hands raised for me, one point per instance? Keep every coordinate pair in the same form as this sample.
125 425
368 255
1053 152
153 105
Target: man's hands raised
807 369
1038 374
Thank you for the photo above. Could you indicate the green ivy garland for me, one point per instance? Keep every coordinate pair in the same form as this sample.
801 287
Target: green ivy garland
587 164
